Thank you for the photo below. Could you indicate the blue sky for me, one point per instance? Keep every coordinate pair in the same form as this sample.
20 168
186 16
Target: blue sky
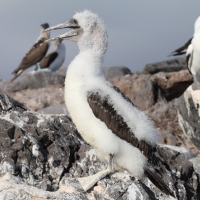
139 31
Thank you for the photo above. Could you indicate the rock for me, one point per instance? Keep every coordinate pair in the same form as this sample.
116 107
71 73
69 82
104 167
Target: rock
57 109
137 88
188 115
3 86
36 79
39 148
13 187
144 90
115 71
173 65
164 116
47 152
186 152
62 71
172 84
196 163
40 98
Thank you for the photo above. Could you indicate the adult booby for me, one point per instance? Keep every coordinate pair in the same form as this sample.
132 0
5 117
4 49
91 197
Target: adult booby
54 60
181 50
105 118
35 54
193 55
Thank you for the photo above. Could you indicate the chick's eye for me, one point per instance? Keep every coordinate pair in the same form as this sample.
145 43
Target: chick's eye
75 21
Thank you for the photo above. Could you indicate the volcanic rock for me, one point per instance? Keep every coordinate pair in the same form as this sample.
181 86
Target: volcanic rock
172 65
47 152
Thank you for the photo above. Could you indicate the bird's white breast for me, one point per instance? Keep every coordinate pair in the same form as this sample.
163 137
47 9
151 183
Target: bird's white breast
195 62
95 132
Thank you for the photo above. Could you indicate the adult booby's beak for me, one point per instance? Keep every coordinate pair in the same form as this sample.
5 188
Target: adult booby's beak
72 23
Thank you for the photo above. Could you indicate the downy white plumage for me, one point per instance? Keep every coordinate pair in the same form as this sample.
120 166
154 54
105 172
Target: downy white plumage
97 107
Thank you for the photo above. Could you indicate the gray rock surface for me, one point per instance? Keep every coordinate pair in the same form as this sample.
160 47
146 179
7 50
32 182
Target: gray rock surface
196 163
47 152
13 187
172 65
189 115
115 71
184 151
57 109
62 71
36 79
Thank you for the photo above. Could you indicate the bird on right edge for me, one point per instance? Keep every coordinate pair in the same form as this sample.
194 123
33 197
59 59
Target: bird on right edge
193 56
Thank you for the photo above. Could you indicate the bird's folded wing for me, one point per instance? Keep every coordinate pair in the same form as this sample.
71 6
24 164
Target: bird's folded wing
47 60
181 50
104 111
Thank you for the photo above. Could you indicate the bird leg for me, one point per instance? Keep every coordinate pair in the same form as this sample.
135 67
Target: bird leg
90 181
38 68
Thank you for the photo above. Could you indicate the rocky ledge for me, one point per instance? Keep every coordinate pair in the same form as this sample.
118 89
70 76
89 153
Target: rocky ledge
43 155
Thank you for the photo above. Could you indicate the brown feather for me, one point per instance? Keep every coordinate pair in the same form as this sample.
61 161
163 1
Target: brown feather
180 50
47 60
107 114
35 54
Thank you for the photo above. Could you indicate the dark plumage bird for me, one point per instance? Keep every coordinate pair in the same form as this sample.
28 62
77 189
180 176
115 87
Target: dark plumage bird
181 50
54 60
35 54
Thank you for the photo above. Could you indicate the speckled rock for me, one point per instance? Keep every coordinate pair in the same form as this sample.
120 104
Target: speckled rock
47 153
188 115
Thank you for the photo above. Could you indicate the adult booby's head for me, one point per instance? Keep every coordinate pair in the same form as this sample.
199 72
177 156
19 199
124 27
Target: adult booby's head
45 26
88 31
44 35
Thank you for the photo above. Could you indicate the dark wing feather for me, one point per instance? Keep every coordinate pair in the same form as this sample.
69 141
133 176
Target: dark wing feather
35 54
188 58
47 60
182 50
107 114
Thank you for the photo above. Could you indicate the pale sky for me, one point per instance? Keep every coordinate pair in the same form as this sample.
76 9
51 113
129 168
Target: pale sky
139 31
